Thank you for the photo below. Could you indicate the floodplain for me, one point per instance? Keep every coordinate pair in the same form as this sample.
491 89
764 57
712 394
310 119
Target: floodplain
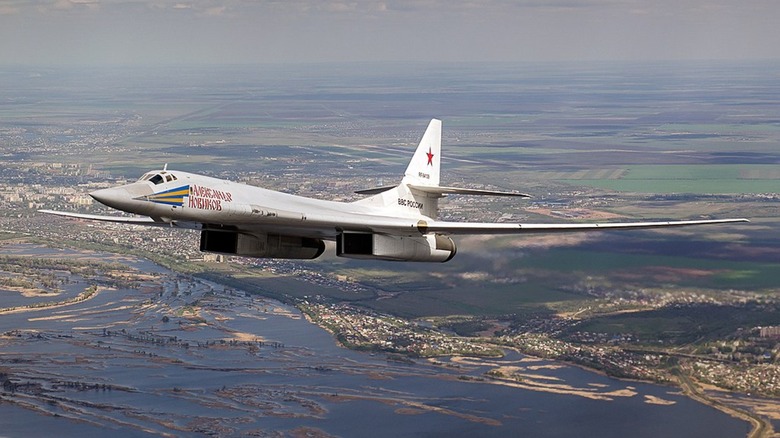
170 354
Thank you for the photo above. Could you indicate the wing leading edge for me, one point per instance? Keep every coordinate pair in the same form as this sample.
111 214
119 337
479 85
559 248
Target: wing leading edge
135 220
129 220
389 225
502 228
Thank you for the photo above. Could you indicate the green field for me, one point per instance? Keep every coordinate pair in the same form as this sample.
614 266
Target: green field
652 270
475 299
683 324
695 179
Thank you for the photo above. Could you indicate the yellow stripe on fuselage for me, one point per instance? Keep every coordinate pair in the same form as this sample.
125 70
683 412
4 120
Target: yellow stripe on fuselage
173 196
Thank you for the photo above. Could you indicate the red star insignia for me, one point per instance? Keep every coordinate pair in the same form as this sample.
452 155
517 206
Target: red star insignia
430 157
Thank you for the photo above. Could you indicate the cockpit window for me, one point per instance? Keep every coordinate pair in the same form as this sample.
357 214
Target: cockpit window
158 178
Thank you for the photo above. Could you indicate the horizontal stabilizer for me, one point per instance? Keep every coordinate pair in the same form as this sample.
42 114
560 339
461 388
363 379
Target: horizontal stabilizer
374 191
440 191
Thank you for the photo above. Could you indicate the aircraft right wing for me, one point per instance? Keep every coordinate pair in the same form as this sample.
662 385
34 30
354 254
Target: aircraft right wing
442 227
391 225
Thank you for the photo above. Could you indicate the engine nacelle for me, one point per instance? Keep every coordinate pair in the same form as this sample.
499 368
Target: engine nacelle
427 248
261 246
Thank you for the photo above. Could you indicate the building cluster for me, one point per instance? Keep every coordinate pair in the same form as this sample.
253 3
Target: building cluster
610 359
761 379
609 299
30 186
749 362
770 332
366 330
156 241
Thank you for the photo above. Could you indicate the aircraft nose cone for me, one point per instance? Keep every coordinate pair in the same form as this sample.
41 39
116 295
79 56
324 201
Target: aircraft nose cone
110 197
129 198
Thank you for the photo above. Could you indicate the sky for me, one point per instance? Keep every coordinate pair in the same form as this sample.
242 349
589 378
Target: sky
95 32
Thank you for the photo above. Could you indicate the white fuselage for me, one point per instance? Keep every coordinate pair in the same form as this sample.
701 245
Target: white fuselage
192 198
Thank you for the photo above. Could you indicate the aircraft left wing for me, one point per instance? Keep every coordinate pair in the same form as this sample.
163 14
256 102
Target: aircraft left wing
130 220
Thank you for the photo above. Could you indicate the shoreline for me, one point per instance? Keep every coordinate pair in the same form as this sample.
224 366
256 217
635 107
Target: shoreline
80 298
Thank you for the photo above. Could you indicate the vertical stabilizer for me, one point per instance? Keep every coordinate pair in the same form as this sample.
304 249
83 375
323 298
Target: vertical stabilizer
424 168
423 171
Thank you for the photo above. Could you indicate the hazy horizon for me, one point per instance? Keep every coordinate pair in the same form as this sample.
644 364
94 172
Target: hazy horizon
128 32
